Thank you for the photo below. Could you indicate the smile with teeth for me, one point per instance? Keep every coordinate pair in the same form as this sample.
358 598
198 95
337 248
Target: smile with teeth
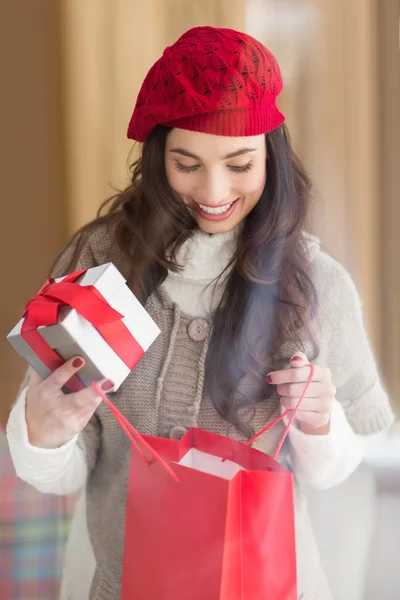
215 211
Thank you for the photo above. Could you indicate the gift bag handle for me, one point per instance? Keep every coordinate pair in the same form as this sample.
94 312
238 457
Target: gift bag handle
283 415
130 432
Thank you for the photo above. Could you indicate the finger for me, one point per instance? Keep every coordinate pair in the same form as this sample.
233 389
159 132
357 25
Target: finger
316 389
298 360
89 398
60 376
323 405
299 375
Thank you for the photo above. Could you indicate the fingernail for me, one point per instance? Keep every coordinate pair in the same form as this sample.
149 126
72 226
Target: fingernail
107 385
269 379
78 362
297 359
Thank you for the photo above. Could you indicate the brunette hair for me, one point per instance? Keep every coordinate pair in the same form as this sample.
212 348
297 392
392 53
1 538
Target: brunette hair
269 296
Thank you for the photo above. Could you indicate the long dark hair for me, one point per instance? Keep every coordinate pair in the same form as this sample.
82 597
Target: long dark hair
269 296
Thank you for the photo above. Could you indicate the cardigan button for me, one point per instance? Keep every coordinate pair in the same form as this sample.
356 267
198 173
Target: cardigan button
198 330
177 432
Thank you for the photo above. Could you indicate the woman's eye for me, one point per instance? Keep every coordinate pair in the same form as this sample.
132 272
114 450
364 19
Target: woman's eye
235 169
242 168
182 169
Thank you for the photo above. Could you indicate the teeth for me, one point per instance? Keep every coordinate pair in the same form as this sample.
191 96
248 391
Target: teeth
215 211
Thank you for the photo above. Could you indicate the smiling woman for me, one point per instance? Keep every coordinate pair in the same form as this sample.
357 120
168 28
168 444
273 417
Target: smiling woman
221 181
242 311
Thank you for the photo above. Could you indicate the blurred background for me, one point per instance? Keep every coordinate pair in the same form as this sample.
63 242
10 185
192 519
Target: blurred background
71 70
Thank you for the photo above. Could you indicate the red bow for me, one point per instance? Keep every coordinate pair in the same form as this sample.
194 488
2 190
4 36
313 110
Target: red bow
43 309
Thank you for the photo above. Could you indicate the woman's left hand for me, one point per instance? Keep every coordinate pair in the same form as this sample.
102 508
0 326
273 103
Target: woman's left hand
314 413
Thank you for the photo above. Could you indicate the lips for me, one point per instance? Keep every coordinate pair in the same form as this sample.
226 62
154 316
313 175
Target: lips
219 216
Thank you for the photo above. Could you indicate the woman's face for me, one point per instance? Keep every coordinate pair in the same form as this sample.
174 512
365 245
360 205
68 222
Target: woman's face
219 178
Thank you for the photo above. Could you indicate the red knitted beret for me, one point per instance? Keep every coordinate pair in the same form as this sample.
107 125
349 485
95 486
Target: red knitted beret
212 80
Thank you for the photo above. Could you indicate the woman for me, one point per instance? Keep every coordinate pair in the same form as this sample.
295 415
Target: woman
210 237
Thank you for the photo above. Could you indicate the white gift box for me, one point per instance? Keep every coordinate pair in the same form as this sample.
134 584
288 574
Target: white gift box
73 335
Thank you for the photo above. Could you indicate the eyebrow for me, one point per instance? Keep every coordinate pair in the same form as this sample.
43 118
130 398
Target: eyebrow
184 152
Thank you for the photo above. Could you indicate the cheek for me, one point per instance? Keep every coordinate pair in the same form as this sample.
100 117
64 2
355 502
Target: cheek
252 184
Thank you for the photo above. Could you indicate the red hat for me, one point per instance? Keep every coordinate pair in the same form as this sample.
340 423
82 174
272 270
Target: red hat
212 80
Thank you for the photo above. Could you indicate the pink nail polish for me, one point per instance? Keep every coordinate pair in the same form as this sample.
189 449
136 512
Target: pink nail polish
297 359
107 385
269 379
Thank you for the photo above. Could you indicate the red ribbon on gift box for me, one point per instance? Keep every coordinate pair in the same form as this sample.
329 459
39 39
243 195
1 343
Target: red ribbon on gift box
44 307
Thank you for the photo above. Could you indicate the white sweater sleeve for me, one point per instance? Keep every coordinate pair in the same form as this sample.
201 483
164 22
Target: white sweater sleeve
324 461
59 471
361 410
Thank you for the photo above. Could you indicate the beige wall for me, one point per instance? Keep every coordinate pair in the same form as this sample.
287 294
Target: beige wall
32 195
388 84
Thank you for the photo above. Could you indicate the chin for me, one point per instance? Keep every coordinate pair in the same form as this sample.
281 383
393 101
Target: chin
217 226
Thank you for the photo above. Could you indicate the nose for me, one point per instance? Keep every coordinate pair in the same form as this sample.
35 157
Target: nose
216 189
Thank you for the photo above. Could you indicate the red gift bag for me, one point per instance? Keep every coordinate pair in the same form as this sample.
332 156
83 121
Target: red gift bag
207 518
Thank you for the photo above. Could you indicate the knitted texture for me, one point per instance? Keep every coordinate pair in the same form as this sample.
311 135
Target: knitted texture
216 81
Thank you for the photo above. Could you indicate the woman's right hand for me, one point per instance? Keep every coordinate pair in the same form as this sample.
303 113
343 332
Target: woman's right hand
52 417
